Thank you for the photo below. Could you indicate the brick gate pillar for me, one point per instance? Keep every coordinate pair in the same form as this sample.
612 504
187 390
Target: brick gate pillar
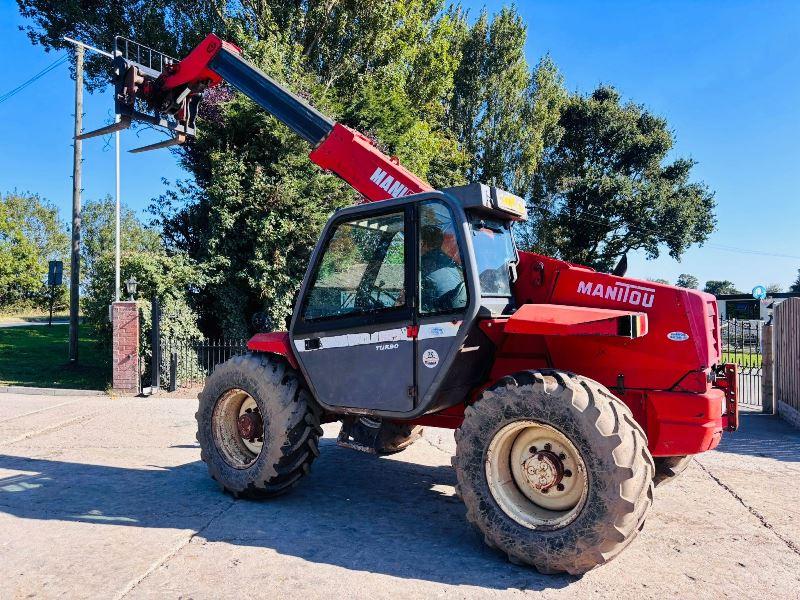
125 323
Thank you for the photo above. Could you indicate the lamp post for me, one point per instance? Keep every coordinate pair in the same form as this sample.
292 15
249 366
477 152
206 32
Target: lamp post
130 286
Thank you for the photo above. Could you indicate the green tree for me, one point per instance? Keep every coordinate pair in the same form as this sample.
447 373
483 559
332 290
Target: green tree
502 113
258 204
605 187
31 234
454 101
172 277
795 287
660 280
774 288
719 288
406 72
685 280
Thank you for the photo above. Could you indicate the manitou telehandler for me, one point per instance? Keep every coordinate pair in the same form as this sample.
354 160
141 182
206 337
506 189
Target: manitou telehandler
571 392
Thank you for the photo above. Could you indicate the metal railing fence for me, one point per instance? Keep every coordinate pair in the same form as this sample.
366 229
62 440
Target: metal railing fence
187 363
742 344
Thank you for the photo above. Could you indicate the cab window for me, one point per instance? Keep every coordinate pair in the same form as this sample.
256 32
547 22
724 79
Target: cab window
362 270
442 286
494 253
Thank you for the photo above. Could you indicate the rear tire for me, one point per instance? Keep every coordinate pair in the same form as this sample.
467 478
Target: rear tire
669 467
265 385
573 424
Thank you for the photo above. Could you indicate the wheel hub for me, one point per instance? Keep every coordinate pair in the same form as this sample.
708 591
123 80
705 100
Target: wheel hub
238 428
544 470
536 474
250 426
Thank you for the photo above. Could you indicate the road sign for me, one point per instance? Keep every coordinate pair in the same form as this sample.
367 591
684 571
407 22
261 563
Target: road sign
759 292
55 273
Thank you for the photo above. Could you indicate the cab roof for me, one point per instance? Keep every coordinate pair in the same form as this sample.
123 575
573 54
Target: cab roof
489 199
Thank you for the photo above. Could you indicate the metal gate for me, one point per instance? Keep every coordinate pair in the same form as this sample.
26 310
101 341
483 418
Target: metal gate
741 344
183 363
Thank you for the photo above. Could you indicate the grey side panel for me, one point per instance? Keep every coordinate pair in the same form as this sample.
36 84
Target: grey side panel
374 376
470 368
428 370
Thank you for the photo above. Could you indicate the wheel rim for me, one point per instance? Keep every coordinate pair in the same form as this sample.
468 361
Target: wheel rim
237 427
536 475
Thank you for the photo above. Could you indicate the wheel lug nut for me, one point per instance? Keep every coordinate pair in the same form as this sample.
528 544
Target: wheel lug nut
562 456
533 449
560 487
567 473
547 446
545 490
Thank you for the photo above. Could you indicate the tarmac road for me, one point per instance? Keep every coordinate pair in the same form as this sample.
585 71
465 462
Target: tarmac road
107 498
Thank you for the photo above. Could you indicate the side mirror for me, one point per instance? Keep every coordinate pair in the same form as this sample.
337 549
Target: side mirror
512 268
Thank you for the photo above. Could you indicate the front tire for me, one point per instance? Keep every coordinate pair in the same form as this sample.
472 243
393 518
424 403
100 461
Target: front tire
258 426
554 471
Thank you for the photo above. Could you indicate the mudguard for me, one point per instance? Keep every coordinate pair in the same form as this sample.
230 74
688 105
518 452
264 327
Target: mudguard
276 342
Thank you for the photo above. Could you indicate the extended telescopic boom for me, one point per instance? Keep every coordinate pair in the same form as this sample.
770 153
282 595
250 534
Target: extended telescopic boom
174 89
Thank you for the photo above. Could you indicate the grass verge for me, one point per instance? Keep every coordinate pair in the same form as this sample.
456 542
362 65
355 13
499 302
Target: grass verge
38 356
31 315
744 359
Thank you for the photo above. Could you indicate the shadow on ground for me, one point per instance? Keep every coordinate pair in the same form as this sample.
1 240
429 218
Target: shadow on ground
761 435
355 511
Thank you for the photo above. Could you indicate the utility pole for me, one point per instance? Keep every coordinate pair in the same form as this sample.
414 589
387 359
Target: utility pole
74 263
117 282
75 254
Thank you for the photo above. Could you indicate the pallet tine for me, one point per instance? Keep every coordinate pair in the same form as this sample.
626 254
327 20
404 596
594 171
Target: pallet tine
174 141
123 123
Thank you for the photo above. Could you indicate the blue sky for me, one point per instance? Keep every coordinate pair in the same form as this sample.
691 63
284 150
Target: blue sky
726 75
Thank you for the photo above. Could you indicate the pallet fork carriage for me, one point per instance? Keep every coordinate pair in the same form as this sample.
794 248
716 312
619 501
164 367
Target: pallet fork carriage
571 391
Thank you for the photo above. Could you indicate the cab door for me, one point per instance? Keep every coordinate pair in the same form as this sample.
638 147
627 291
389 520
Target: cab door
351 328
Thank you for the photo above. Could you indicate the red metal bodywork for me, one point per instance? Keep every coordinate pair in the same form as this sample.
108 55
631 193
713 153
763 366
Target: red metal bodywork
347 153
664 377
194 68
555 319
355 159
276 342
568 316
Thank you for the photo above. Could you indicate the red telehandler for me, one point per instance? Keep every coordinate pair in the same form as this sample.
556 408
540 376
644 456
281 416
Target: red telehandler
572 392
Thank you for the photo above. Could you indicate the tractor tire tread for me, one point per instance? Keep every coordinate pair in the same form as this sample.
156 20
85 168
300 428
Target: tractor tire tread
627 496
291 425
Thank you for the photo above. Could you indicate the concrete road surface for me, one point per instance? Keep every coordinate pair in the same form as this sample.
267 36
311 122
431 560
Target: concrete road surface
107 498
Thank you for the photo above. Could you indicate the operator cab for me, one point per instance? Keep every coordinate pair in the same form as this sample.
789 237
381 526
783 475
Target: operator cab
491 213
386 319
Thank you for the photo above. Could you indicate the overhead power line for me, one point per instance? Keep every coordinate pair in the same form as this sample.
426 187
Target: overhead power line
756 252
713 246
38 75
